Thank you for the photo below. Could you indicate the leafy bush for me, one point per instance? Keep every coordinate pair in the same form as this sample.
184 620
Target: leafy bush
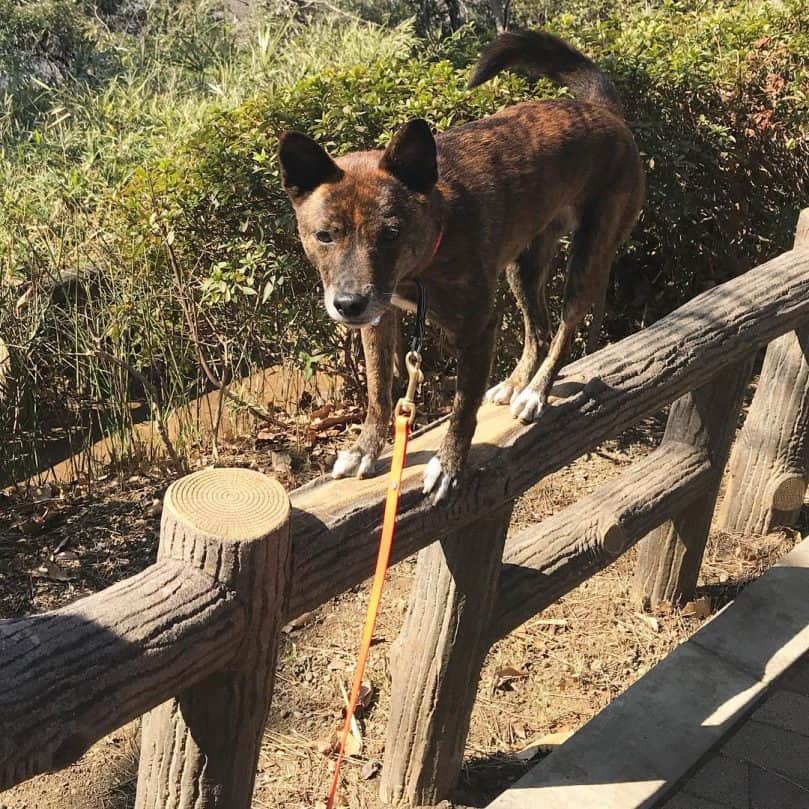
158 183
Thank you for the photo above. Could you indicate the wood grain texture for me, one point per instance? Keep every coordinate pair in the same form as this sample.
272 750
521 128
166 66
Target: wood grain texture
336 524
71 676
200 749
769 466
437 658
548 560
670 557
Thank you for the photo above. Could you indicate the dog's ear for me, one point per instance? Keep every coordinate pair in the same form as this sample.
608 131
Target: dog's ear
411 156
305 164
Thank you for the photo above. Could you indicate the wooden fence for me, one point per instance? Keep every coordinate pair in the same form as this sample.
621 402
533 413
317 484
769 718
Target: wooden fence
192 641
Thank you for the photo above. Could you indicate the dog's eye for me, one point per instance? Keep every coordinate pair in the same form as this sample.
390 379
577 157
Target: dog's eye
323 236
390 233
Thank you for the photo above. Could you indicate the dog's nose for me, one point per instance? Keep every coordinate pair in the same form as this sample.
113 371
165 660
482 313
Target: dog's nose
349 304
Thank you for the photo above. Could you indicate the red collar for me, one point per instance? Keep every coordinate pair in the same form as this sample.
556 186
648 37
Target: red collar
437 244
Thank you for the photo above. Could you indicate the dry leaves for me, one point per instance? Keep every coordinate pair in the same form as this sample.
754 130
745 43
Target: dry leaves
353 743
506 676
544 744
650 621
297 623
701 608
370 770
50 570
281 463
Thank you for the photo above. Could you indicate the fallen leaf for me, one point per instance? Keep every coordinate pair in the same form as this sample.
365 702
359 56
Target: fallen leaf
528 753
701 608
511 673
649 620
50 570
297 623
42 493
353 744
367 694
506 675
281 463
544 744
370 770
339 418
560 622
22 301
321 412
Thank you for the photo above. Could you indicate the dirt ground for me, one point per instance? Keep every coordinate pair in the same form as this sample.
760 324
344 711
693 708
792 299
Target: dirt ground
548 677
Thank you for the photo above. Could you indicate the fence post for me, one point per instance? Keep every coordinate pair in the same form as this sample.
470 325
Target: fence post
670 557
437 658
200 750
768 469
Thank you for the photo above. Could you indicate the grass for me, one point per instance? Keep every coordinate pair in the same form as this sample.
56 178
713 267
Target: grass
146 248
68 150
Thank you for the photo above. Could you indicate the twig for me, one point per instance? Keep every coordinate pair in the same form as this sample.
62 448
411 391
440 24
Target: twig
252 407
154 397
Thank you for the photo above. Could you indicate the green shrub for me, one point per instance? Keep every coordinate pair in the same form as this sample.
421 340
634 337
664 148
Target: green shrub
159 181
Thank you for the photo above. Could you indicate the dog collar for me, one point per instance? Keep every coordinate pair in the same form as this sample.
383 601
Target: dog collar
438 240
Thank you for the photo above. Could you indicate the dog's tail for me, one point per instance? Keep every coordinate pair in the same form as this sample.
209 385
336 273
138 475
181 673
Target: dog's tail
549 56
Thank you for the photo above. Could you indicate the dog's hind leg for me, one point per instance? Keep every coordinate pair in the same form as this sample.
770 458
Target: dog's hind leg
527 278
591 255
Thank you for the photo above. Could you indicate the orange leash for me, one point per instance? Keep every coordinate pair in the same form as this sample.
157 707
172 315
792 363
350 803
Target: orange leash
405 412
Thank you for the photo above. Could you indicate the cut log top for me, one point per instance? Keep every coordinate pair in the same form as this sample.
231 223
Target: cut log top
229 504
598 397
68 677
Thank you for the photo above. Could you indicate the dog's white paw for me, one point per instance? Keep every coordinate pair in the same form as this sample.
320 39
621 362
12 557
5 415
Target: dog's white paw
352 462
437 481
527 406
502 393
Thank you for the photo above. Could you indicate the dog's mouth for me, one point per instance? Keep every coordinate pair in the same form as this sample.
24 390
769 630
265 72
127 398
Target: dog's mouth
358 323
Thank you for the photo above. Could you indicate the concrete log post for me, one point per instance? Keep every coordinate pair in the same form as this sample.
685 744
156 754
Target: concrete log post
670 557
200 749
437 659
769 467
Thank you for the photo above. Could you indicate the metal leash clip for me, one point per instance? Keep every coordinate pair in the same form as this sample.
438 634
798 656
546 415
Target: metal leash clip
406 406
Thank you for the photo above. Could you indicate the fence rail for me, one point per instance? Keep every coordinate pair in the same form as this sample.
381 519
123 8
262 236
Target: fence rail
192 641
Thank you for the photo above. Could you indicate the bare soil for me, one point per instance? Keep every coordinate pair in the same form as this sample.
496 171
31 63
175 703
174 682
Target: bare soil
548 677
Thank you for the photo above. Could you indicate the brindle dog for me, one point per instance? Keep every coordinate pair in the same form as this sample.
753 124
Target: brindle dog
454 211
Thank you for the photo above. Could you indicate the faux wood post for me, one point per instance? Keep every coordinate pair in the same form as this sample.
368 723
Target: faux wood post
670 557
437 658
768 468
200 750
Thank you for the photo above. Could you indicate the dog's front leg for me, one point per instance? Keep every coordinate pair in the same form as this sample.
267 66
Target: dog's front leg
379 345
443 472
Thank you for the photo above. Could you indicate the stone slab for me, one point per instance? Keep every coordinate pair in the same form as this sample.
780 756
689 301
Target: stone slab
648 739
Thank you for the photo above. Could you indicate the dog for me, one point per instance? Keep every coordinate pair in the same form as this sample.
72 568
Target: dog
454 211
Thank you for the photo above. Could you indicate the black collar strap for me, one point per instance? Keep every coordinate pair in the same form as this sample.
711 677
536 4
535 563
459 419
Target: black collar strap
421 317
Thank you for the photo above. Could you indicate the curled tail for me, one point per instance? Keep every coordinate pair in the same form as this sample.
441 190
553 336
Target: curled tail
549 56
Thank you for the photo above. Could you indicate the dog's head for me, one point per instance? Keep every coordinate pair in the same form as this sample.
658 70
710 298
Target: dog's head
362 218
